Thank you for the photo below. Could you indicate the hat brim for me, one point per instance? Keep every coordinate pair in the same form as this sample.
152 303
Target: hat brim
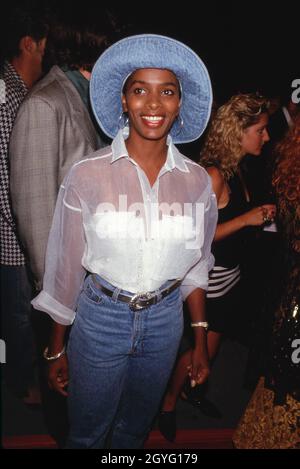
152 51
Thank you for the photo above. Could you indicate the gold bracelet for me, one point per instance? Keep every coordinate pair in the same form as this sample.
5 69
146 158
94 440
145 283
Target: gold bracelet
53 357
200 324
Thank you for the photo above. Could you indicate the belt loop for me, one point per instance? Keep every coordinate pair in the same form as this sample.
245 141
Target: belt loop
158 295
115 294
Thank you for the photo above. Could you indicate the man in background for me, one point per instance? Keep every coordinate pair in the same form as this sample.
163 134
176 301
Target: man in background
24 30
53 130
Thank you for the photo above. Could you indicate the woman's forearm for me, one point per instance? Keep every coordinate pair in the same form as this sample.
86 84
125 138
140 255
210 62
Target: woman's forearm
57 338
229 227
196 305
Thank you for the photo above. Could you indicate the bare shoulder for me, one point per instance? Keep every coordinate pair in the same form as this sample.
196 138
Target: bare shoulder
213 171
218 181
216 176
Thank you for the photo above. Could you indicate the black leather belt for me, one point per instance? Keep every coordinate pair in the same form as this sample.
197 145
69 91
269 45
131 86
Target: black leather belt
139 300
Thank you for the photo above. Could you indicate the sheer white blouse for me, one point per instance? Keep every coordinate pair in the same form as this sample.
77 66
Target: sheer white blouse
109 220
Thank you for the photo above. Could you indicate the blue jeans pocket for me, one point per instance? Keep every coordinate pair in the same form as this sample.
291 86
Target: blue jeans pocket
91 294
173 298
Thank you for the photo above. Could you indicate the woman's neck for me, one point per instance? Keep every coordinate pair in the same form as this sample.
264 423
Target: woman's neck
152 152
150 155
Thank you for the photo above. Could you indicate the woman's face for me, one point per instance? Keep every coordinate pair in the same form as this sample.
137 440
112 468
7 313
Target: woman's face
152 101
255 136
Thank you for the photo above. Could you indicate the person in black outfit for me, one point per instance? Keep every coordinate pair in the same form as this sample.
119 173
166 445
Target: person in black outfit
266 248
271 419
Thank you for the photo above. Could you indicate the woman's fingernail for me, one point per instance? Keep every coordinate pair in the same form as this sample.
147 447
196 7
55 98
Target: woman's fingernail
193 383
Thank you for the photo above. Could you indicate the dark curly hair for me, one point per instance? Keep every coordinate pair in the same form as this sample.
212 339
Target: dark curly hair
77 39
286 177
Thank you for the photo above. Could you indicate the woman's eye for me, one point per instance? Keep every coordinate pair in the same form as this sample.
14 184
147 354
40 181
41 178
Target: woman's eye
139 91
168 92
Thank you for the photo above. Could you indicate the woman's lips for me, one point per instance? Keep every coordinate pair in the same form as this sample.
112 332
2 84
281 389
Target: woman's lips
153 121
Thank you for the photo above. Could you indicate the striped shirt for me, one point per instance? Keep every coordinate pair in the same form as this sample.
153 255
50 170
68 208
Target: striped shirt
222 280
12 91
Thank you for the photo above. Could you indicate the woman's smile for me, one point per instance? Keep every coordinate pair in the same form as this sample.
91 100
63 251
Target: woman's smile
153 121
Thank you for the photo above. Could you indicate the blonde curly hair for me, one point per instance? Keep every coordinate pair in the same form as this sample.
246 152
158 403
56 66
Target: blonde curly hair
222 147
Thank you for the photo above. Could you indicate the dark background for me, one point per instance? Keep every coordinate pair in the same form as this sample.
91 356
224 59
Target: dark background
246 45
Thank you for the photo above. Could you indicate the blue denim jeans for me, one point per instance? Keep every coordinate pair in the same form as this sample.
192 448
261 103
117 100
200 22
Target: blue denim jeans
119 362
16 328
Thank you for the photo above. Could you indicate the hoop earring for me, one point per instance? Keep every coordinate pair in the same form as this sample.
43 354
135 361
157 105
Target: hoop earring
180 124
123 120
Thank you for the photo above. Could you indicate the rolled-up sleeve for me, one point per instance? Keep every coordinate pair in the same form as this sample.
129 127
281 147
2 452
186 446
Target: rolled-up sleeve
64 273
197 277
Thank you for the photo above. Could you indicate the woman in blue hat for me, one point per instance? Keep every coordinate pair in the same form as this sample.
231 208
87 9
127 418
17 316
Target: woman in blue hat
130 239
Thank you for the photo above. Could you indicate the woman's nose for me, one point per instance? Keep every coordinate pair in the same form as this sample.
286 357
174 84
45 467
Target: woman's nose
153 101
266 136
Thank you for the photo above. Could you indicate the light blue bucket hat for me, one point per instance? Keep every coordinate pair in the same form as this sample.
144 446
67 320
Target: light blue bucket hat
152 51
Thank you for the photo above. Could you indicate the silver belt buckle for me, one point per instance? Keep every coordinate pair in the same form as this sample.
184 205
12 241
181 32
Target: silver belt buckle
133 303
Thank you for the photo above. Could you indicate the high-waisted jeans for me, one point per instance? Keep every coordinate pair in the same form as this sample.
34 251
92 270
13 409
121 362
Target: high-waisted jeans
119 362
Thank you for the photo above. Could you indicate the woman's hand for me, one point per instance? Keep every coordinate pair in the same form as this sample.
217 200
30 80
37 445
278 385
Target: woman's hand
58 375
259 215
269 211
198 370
